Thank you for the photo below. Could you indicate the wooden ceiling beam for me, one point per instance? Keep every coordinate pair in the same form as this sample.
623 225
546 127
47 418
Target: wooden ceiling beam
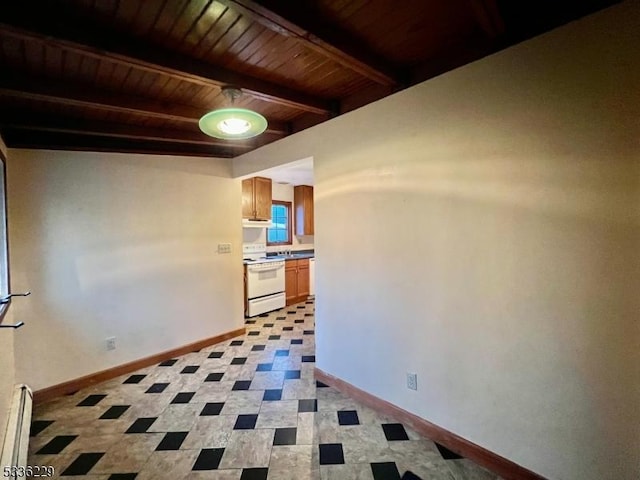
16 138
64 94
107 129
295 19
63 28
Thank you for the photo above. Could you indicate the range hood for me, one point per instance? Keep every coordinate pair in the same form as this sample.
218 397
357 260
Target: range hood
246 223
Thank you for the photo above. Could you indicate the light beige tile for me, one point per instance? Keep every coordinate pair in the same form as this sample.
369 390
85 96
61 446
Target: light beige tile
464 469
246 401
282 406
277 419
129 454
210 432
248 448
295 473
286 457
232 474
298 389
177 418
267 381
168 464
342 472
306 429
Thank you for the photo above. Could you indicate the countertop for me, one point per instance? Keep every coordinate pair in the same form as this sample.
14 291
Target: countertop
300 254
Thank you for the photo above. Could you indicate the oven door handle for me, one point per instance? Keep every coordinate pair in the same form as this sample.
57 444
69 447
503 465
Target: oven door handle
264 269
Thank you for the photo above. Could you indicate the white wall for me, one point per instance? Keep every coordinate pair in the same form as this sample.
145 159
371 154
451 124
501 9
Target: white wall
119 245
259 235
481 229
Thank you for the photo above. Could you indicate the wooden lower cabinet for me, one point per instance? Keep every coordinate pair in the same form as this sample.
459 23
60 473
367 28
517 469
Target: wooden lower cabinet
296 274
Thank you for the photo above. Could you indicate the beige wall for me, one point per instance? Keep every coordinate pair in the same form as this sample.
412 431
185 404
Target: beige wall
119 245
481 229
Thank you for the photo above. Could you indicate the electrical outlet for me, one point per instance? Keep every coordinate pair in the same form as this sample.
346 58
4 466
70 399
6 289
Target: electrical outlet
412 381
111 343
224 248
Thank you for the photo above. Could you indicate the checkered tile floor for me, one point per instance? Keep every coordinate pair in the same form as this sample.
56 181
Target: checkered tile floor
247 409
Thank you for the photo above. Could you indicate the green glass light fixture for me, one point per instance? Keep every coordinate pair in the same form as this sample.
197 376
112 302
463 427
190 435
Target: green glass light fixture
232 123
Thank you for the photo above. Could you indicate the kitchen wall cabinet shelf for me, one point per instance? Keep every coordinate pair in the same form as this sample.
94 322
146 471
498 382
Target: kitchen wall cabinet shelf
256 198
296 278
303 204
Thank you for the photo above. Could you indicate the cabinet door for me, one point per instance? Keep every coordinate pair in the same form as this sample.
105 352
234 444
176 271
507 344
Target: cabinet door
291 281
303 280
262 197
248 209
303 199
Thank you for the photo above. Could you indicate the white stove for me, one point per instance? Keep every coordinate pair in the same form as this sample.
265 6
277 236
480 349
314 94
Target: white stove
264 280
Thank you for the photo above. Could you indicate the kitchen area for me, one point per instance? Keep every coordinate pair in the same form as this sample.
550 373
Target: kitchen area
278 234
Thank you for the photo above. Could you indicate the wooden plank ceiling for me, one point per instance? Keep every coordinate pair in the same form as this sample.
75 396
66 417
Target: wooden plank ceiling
136 75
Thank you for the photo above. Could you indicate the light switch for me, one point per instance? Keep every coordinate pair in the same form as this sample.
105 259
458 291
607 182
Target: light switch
224 248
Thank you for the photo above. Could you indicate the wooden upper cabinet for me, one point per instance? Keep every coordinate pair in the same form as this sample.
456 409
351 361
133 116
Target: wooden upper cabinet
256 198
303 201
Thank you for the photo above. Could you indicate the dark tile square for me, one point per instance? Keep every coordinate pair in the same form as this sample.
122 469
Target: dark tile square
385 471
56 445
91 400
348 417
319 384
183 397
292 374
209 459
264 315
285 436
308 314
300 307
212 409
134 379
281 318
274 337
216 354
190 369
308 358
268 325
296 341
282 353
308 332
264 367
308 405
309 303
141 425
83 464
253 334
239 361
408 475
169 363
257 348
331 454
299 320
446 453
123 476
236 343
272 395
114 412
172 441
292 311
251 322
394 431
241 385
38 426
254 474
246 422
214 377
157 388
287 329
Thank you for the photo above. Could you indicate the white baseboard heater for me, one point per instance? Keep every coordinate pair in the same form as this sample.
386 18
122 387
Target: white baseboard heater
16 440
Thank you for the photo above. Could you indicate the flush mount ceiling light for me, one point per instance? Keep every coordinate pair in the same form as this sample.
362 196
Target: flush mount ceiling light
230 123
